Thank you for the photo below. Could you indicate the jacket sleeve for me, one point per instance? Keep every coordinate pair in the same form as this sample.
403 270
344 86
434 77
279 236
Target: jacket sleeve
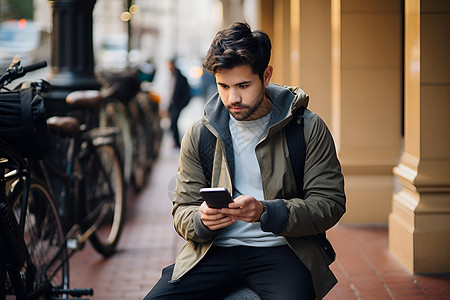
324 202
187 198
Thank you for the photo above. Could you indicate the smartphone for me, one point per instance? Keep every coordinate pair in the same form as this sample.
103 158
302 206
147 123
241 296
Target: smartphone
216 197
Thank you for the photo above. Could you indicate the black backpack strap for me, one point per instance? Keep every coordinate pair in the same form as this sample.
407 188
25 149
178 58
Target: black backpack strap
295 138
206 151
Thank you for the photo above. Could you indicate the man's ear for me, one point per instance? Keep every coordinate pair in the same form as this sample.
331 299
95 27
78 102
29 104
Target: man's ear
268 75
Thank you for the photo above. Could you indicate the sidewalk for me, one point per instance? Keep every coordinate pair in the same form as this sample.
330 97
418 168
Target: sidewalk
364 266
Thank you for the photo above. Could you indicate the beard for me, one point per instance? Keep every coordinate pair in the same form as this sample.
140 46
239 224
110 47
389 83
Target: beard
249 110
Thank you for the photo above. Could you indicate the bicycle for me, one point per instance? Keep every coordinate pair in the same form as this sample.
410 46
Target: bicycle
89 183
84 171
34 258
135 113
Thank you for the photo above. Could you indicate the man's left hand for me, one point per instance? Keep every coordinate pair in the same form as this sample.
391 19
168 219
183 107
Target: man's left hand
244 208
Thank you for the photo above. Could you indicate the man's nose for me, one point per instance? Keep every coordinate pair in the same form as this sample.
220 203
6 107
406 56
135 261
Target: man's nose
234 96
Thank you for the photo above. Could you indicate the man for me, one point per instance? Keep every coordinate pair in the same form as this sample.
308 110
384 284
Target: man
179 99
263 240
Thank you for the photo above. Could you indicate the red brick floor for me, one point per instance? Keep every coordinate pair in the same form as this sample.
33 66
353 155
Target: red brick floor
364 266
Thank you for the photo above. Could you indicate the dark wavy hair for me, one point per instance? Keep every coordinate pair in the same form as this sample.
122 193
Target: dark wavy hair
238 45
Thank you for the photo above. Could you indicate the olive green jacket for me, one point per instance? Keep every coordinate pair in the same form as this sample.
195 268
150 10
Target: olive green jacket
293 218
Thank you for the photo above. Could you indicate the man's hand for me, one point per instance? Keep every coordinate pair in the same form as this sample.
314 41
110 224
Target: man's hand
244 208
213 219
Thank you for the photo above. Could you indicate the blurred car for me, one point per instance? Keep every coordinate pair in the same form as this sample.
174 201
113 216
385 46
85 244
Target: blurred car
23 38
112 55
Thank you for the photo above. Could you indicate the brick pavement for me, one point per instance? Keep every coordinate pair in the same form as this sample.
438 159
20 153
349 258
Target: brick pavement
364 267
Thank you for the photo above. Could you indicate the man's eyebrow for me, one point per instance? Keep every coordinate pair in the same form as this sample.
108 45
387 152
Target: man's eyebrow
237 84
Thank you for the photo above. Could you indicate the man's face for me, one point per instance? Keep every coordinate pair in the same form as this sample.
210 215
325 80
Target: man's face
242 92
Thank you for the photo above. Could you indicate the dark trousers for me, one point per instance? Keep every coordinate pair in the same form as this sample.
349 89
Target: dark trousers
273 273
174 115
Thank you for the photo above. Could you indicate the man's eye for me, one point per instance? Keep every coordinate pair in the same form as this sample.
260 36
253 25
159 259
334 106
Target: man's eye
243 86
224 87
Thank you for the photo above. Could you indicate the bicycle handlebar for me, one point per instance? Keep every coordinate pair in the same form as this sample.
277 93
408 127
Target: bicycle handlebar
17 71
36 66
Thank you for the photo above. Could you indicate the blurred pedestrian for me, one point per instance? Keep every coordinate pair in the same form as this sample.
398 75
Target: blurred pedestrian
179 98
267 238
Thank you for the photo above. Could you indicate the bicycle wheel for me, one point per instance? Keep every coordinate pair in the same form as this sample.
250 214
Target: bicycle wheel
150 111
114 114
105 198
44 237
141 165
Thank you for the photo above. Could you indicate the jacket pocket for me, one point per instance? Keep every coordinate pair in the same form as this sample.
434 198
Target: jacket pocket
326 249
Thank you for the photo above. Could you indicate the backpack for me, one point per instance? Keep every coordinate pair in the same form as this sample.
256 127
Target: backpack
23 123
296 144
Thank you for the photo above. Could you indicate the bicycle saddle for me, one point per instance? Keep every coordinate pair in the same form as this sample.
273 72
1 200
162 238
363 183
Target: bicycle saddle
90 98
65 126
87 98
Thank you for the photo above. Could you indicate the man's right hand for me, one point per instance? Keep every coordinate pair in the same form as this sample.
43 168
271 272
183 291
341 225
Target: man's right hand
213 219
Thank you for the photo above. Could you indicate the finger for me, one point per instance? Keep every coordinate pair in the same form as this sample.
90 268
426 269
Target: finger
238 202
212 217
237 211
223 220
247 214
205 209
218 224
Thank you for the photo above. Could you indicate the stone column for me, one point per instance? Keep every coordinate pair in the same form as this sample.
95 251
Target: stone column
367 102
266 20
419 225
281 52
311 53
72 58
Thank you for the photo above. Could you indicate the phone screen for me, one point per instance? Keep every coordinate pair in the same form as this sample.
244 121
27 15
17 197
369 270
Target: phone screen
216 197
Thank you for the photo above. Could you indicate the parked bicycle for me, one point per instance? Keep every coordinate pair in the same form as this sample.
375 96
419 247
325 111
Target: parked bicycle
83 172
33 254
86 177
135 113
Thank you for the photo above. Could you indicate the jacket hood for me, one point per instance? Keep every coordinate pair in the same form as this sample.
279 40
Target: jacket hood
286 99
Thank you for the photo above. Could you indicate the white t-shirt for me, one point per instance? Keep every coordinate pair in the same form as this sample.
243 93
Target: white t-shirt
247 181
